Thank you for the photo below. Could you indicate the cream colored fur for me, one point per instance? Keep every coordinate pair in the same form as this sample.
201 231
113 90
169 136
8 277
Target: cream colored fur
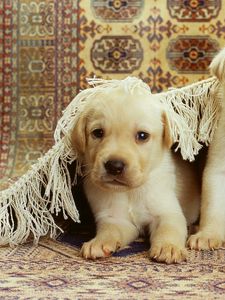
157 190
211 232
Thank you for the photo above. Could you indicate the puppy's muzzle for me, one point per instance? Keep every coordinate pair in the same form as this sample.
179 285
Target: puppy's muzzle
114 167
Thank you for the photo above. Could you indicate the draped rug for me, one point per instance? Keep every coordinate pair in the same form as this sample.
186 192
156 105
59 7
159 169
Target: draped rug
47 49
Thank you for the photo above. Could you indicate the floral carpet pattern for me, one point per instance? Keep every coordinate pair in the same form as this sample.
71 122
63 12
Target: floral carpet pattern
47 50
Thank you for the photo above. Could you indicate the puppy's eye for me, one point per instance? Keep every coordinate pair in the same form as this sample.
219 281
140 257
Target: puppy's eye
142 136
98 133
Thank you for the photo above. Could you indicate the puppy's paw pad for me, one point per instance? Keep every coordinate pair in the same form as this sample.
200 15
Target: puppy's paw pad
168 253
202 241
97 248
110 248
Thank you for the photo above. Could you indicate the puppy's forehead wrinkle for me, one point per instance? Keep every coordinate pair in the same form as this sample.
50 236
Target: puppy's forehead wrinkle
124 109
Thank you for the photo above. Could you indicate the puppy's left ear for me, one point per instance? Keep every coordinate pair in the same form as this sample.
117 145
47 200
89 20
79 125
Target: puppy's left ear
167 135
78 135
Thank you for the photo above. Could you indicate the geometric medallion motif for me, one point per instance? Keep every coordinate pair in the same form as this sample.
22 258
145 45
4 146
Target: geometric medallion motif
37 19
28 151
117 54
117 10
36 114
194 10
37 66
191 54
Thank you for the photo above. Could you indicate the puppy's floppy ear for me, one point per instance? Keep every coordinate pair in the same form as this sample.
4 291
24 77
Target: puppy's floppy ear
78 136
167 136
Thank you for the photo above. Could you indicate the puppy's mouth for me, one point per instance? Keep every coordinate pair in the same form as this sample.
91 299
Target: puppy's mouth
116 182
120 183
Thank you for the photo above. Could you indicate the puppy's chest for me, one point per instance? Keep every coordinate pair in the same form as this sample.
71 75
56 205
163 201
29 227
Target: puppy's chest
140 211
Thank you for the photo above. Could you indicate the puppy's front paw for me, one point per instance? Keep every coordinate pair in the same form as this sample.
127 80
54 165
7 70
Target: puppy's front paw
168 253
97 248
204 241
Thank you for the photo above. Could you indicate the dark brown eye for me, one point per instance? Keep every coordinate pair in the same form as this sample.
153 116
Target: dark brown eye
98 133
142 136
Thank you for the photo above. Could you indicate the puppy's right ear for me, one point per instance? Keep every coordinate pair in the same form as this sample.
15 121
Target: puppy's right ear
217 65
78 137
167 136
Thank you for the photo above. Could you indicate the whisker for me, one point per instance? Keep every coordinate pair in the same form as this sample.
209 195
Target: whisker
86 174
86 170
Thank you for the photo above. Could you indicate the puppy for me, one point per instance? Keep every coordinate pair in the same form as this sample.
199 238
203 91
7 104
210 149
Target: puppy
211 232
132 180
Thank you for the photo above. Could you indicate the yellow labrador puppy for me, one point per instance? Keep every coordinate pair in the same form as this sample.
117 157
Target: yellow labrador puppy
211 232
132 179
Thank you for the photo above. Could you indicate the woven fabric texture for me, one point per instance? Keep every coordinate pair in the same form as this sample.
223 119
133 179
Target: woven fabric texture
54 270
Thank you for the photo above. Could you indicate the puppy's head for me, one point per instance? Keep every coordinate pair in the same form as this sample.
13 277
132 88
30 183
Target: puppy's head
121 137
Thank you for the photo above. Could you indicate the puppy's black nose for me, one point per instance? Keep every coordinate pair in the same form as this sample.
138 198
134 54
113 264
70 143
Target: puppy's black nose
114 167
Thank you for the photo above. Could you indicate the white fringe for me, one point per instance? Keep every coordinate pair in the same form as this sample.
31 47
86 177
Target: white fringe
27 208
193 112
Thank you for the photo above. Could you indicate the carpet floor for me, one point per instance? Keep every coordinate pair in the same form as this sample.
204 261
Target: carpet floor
54 270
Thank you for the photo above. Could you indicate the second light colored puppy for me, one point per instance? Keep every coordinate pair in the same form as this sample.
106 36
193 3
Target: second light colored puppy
132 179
211 232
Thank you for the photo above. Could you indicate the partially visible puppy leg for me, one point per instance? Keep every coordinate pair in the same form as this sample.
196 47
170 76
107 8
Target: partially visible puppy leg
168 235
110 237
168 240
211 232
212 219
212 224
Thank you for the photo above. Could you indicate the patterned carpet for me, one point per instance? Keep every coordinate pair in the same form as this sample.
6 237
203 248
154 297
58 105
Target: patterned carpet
47 49
54 270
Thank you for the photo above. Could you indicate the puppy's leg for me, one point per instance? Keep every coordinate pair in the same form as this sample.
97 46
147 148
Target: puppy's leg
212 223
109 238
168 236
212 218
